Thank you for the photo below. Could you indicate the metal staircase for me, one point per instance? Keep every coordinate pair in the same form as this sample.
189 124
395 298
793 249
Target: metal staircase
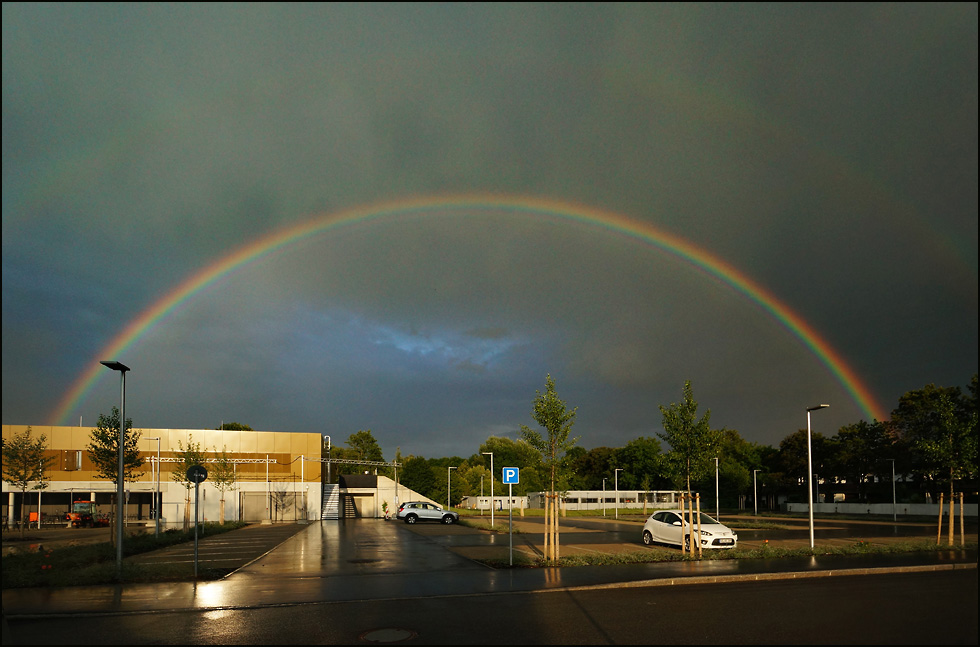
330 508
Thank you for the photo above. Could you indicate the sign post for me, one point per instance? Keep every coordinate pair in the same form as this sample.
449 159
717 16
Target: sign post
196 474
510 476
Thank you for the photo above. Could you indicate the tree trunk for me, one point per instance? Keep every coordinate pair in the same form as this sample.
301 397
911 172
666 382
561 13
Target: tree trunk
23 510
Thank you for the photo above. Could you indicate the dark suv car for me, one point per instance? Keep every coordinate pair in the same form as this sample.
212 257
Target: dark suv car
415 511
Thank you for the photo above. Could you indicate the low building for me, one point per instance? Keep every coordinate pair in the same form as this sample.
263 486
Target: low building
603 499
277 476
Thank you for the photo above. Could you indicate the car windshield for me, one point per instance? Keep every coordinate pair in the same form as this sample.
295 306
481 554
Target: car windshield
705 519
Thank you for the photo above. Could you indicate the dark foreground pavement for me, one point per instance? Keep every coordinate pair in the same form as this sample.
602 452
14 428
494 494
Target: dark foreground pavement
370 558
293 570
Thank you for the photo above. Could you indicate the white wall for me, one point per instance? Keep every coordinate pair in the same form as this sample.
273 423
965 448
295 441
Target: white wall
920 509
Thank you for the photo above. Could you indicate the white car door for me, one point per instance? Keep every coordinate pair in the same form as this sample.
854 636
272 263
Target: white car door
671 529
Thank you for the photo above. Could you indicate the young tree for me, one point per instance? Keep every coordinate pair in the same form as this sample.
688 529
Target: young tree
281 500
103 448
552 414
103 451
222 476
692 441
187 457
26 467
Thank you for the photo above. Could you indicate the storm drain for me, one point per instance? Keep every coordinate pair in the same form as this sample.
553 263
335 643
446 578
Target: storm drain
388 635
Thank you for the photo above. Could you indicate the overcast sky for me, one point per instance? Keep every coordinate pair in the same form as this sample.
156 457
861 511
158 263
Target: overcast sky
826 153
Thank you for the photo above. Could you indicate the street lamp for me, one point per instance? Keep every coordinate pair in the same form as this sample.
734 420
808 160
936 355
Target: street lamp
449 488
490 454
604 497
894 503
156 494
809 466
755 493
120 491
328 463
616 482
717 513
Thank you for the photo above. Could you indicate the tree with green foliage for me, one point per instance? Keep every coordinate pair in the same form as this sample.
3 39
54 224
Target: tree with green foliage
551 413
691 441
588 468
858 453
938 428
641 461
509 453
186 458
736 459
418 475
791 462
234 426
222 476
103 449
25 467
364 447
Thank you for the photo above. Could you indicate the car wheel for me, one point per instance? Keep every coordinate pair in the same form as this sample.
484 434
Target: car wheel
448 519
647 538
411 518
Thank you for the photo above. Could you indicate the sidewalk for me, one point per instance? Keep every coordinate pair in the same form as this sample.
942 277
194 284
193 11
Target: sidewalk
275 564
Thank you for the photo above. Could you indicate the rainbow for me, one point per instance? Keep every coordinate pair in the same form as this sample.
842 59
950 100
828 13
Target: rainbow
554 209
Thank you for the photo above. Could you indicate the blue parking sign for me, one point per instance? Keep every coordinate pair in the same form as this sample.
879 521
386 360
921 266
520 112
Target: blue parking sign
511 475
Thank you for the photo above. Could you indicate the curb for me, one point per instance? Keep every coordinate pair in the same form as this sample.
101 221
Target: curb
758 577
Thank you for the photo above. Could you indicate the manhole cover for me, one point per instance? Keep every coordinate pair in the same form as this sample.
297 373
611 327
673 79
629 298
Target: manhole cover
388 635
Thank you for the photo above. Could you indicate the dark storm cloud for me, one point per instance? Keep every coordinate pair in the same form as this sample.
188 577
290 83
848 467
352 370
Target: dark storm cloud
830 153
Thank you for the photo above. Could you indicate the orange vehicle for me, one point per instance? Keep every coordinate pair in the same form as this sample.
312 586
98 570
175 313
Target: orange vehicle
85 514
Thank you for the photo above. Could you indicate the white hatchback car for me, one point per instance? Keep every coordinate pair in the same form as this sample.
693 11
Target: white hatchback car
664 527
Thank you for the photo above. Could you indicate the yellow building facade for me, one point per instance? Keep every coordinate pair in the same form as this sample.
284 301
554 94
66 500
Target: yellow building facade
277 476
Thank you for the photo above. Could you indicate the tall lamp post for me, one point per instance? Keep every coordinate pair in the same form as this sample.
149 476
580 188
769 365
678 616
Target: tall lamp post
809 466
616 482
894 502
717 513
449 488
490 454
604 497
156 493
755 492
328 461
120 485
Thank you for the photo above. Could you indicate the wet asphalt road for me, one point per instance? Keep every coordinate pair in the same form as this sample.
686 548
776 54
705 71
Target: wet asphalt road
390 567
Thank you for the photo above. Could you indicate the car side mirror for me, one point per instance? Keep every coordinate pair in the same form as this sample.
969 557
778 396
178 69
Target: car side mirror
676 523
